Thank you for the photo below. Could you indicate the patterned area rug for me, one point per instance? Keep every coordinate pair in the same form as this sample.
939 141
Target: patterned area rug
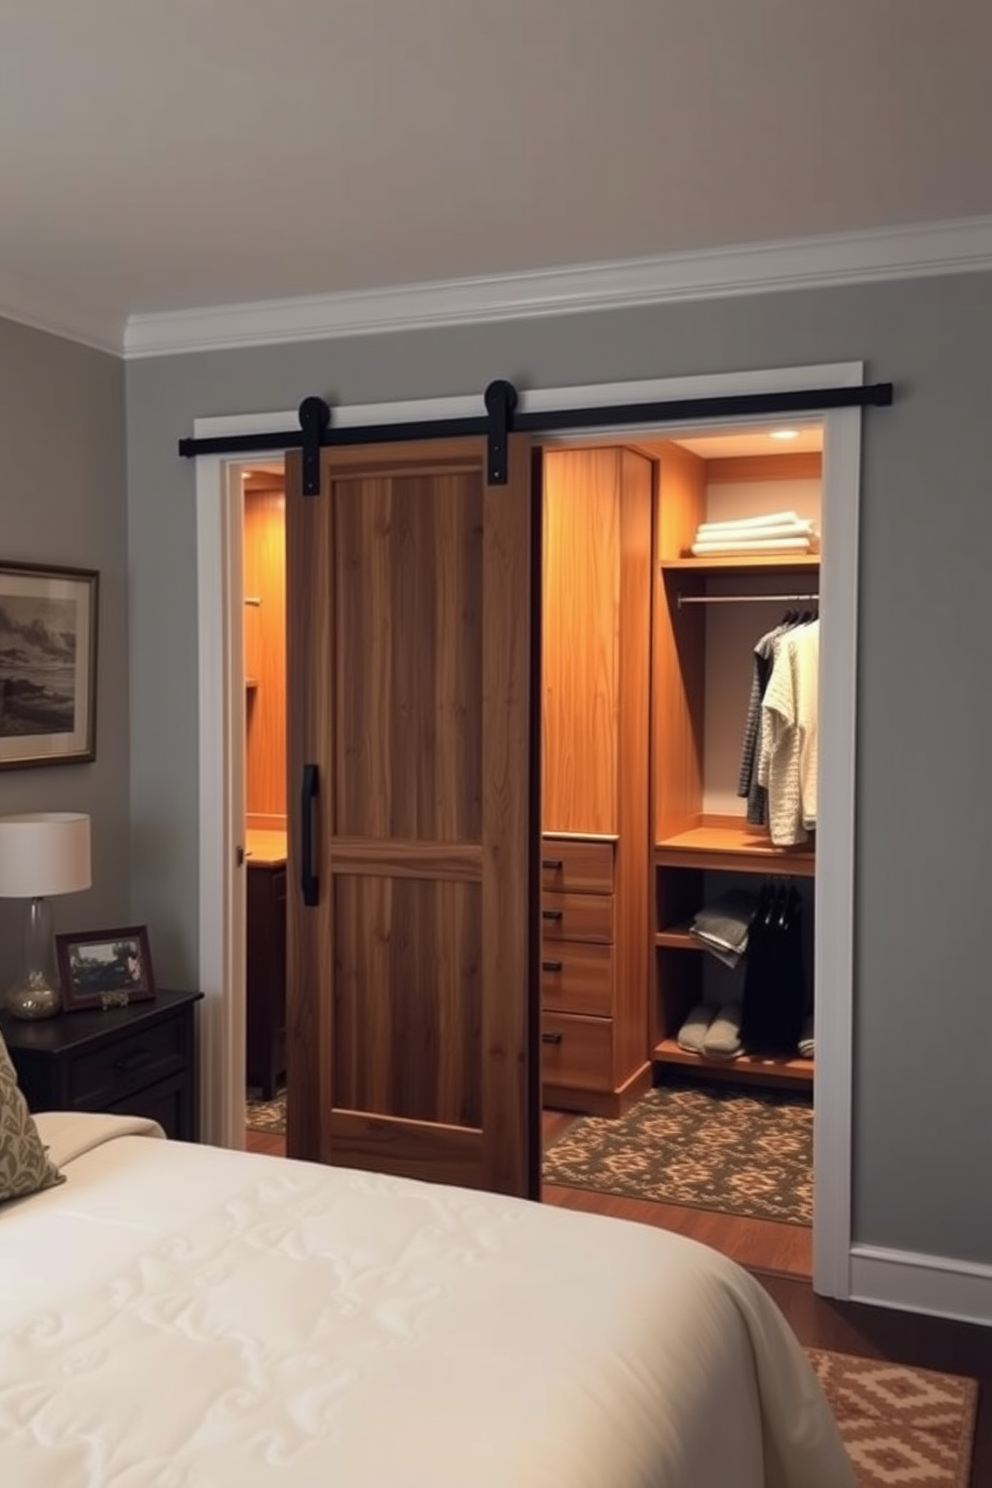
900 1426
267 1116
710 1146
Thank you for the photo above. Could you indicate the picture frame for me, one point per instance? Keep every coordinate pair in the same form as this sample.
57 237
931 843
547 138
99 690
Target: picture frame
105 968
48 661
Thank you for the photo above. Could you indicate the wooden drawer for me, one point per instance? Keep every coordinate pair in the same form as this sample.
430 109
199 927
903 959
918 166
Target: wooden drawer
118 1067
576 867
577 979
577 917
577 1051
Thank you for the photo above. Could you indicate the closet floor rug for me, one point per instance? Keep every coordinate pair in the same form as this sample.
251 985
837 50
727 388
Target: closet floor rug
266 1116
709 1146
900 1425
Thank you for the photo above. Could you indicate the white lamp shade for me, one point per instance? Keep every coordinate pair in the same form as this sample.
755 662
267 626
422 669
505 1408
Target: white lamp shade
44 852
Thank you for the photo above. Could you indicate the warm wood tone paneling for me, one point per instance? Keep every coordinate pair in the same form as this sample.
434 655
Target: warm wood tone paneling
511 751
679 648
596 721
577 867
803 465
265 651
461 860
577 978
633 859
413 998
730 843
681 500
577 1051
580 654
427 1151
309 732
577 917
408 999
757 563
408 580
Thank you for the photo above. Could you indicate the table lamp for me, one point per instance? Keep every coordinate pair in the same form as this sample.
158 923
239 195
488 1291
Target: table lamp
41 854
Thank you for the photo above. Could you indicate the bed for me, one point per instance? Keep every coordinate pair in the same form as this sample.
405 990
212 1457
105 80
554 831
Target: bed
175 1315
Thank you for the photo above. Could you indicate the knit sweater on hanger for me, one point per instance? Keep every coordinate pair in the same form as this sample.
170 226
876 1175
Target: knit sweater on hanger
788 748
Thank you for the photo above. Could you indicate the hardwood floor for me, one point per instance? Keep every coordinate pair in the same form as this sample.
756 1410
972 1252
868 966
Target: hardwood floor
782 1263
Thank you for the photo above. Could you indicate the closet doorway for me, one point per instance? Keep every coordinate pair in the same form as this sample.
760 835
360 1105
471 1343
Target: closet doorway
221 616
700 1053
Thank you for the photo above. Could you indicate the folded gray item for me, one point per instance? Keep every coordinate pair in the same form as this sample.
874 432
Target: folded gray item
729 958
723 1037
724 924
690 1036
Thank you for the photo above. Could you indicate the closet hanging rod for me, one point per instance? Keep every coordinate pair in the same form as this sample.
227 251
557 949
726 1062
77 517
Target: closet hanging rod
684 599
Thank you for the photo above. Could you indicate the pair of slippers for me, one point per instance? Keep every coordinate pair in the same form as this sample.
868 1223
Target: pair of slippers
712 1030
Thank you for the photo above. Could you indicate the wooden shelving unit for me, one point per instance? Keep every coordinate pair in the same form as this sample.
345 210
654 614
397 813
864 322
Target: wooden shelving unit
757 563
716 842
763 1069
690 844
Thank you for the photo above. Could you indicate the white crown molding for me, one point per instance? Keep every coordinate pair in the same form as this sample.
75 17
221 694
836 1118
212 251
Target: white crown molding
951 247
923 250
25 302
919 1283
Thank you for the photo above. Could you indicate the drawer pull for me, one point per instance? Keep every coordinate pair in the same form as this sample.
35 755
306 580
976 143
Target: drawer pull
550 1038
135 1061
551 966
551 914
552 863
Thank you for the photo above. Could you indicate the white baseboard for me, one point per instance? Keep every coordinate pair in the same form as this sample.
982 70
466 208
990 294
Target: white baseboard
920 1283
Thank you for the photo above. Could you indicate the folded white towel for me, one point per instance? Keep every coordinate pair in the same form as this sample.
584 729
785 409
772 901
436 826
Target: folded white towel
758 534
770 519
770 545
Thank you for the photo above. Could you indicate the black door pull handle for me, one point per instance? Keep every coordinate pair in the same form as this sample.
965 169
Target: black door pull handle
550 1038
551 914
551 863
309 883
551 966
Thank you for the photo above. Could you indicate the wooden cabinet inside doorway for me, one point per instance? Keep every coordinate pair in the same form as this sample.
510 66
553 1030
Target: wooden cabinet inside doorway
595 814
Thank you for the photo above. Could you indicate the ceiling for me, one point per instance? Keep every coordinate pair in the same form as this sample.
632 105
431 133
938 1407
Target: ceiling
163 156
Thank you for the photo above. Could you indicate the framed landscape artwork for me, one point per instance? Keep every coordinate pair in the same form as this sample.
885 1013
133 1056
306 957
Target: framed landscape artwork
48 625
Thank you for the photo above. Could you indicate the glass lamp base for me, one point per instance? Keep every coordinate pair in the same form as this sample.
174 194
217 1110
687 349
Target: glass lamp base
32 1001
35 991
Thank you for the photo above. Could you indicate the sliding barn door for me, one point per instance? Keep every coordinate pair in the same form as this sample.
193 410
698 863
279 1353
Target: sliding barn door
413 821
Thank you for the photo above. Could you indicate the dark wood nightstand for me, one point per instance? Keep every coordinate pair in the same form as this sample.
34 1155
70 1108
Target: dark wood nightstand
139 1060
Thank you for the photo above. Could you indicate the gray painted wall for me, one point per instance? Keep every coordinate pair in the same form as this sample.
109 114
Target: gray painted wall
923 1100
62 501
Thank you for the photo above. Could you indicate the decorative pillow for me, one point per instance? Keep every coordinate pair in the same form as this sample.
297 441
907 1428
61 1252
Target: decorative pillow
24 1164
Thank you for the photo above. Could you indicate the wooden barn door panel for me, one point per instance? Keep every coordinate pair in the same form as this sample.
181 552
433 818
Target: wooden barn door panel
412 979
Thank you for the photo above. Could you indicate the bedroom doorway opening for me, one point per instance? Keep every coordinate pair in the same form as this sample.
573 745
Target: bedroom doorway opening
832 888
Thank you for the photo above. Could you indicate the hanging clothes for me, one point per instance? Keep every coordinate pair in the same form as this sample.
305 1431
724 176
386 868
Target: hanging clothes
748 785
788 746
774 1001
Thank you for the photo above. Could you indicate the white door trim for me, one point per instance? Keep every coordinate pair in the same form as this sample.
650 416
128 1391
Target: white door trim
221 734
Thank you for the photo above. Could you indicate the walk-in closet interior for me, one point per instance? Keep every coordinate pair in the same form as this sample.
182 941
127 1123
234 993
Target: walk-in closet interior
677 782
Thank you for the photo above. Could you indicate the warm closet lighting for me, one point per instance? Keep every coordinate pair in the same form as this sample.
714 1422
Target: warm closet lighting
784 434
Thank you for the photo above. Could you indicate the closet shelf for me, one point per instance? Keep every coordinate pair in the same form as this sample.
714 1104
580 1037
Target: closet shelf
723 842
677 938
736 563
764 1068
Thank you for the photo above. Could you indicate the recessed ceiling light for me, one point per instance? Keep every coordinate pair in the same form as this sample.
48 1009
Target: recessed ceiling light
784 434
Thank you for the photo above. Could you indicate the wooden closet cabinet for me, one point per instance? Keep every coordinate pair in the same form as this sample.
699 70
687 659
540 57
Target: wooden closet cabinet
699 851
595 875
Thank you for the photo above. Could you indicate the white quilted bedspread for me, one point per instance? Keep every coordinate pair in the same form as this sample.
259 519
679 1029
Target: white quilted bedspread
186 1317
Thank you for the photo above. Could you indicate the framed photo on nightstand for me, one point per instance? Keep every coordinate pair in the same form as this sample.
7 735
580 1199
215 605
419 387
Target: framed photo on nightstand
105 968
